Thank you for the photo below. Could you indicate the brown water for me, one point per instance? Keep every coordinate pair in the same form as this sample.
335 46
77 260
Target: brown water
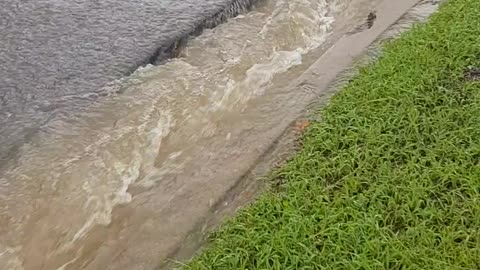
119 186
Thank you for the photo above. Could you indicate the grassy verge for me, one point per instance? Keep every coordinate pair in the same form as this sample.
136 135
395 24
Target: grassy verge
390 178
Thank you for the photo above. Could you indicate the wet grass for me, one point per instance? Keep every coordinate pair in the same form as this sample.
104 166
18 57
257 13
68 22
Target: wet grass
390 178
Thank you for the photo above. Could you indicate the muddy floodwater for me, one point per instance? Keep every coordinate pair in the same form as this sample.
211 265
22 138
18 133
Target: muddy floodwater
107 161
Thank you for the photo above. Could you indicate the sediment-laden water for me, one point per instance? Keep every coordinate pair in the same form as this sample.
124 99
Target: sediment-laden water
102 168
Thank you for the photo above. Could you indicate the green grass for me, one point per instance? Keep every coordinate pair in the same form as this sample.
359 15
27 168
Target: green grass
390 178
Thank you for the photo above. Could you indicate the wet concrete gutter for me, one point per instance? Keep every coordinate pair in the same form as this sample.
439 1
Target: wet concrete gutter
317 85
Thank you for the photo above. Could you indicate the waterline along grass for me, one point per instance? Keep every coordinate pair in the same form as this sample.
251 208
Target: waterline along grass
390 178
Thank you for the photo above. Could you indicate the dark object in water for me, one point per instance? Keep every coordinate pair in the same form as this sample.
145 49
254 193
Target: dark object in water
372 16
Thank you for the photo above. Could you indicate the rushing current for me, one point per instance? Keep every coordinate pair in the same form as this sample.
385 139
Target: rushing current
57 55
115 137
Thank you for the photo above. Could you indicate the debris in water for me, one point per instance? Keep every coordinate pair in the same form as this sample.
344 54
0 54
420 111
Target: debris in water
372 16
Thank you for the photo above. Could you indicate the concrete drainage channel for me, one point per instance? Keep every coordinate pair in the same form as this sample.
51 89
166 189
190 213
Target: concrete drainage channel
346 55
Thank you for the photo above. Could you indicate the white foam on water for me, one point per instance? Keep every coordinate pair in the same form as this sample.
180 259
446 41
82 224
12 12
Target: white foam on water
155 141
205 70
258 78
142 159
310 22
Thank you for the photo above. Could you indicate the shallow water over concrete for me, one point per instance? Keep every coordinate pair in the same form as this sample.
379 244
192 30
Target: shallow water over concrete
118 185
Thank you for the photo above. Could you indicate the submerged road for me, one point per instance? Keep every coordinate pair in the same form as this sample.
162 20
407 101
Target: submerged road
56 55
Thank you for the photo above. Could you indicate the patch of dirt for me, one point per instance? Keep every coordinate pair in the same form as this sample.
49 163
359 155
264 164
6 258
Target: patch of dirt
301 125
472 74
